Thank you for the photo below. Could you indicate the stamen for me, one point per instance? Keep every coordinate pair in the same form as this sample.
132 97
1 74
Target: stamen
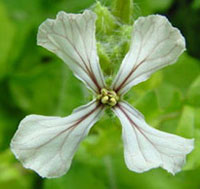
108 97
104 99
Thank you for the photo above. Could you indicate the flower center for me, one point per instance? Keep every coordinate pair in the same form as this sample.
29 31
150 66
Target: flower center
108 97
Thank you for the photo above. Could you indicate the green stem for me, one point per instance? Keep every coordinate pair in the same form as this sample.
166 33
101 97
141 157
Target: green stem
110 172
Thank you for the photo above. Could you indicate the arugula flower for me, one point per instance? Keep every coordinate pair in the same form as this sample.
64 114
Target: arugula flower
47 144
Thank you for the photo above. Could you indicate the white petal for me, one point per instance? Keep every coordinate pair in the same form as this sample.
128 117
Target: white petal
72 38
155 44
146 148
47 144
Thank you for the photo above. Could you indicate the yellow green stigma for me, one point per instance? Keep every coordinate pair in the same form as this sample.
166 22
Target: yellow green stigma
108 97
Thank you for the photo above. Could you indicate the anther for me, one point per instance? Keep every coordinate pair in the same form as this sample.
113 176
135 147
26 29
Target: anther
112 102
104 100
108 97
104 92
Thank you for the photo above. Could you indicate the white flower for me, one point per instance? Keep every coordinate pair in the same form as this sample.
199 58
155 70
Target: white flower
47 144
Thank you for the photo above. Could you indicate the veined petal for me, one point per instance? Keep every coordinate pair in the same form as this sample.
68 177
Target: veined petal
47 144
145 147
72 38
155 44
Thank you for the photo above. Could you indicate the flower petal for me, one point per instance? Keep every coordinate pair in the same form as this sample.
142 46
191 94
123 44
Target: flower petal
72 38
145 147
155 44
47 144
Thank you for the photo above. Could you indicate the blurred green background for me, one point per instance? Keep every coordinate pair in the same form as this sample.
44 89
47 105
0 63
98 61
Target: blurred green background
33 80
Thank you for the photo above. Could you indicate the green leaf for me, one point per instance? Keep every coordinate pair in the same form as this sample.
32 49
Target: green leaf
168 122
169 97
152 179
107 133
193 94
152 83
182 73
150 7
186 124
7 33
8 124
148 105
196 4
197 117
42 84
12 175
165 94
193 159
74 6
49 89
80 176
137 93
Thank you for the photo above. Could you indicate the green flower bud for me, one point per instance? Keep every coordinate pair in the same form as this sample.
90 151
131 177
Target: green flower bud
105 20
123 9
104 59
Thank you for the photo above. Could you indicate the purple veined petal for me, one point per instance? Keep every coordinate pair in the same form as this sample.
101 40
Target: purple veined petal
145 147
47 144
155 44
72 38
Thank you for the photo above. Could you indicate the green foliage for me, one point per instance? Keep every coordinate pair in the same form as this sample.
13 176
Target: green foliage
86 179
183 73
147 7
194 92
11 175
148 105
7 33
52 79
193 159
196 4
186 124
7 128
